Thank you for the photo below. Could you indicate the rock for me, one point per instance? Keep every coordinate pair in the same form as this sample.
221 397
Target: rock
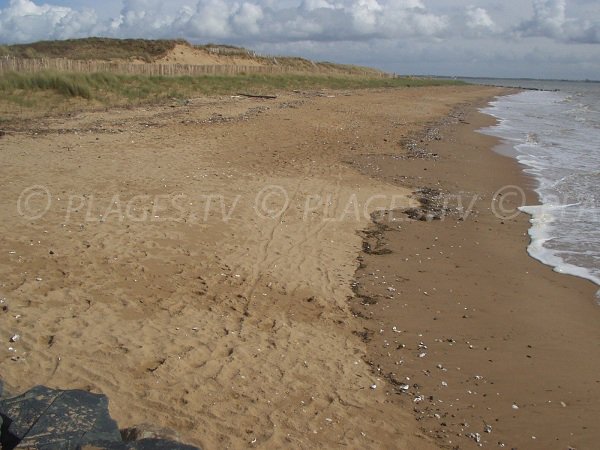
475 436
147 431
48 419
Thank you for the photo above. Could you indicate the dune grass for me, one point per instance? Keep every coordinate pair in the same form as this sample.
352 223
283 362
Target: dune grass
96 48
44 91
150 50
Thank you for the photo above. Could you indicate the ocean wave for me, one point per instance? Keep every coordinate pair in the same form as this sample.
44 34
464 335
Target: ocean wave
555 136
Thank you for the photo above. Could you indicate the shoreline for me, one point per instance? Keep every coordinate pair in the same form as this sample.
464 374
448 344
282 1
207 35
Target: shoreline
504 148
463 338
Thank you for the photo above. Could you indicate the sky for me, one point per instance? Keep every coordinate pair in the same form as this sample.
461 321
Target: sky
509 38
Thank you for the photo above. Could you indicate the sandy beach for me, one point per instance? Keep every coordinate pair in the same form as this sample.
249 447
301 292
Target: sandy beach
213 267
492 347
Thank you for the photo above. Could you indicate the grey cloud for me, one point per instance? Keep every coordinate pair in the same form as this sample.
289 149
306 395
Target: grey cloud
406 36
262 21
550 20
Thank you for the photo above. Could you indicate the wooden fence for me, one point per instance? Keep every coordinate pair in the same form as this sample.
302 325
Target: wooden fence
10 64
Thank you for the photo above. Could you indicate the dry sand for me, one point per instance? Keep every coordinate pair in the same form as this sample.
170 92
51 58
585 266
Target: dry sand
184 54
194 263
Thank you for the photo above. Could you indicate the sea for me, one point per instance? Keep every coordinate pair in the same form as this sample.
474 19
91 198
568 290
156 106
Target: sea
553 130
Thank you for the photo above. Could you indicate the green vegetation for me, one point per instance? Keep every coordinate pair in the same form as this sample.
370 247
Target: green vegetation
40 93
64 84
94 48
106 87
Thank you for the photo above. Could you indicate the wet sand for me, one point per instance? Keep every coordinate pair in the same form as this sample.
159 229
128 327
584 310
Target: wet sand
195 262
485 344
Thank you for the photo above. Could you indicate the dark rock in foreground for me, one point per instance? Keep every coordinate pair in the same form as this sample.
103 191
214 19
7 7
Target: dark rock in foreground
48 419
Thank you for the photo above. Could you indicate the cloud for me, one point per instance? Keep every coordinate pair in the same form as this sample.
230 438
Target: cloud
550 20
408 36
260 21
23 20
479 19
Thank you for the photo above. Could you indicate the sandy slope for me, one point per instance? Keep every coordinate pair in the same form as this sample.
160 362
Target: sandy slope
184 54
211 318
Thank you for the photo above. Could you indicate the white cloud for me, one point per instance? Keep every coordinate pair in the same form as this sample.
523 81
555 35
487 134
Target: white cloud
248 18
24 20
267 21
479 19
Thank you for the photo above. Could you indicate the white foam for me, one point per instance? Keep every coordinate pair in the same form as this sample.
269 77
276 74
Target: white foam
541 218
555 140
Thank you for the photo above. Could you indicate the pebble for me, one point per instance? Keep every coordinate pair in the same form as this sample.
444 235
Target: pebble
15 338
475 436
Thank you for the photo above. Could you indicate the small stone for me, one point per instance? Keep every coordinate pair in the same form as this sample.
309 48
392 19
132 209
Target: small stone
475 436
373 386
15 338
